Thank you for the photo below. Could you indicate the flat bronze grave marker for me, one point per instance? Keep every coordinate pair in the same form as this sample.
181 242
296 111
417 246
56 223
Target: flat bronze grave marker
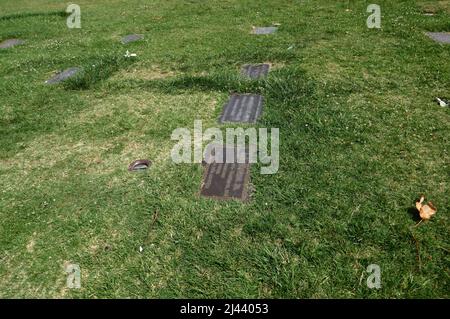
64 75
132 38
441 37
226 180
255 71
242 108
11 43
264 30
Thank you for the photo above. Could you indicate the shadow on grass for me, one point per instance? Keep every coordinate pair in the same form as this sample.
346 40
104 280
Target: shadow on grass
413 214
27 123
97 69
289 85
22 15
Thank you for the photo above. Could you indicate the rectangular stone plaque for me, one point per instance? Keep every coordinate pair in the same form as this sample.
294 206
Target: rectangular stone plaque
132 38
255 71
64 75
441 37
242 108
227 180
264 30
10 43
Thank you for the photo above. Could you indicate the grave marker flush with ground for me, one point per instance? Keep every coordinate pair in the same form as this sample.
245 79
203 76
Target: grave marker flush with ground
441 37
255 71
132 38
264 30
227 180
64 75
242 108
11 43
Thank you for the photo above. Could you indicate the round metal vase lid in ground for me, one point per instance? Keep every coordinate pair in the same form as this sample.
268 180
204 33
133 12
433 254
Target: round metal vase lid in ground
139 165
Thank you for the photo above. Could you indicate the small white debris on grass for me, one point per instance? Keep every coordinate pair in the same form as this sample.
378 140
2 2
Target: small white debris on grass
442 102
130 55
141 249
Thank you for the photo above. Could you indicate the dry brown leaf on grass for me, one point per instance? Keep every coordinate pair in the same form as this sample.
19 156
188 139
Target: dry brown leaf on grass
425 211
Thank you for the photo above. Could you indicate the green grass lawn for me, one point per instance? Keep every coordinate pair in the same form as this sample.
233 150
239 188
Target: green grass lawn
360 139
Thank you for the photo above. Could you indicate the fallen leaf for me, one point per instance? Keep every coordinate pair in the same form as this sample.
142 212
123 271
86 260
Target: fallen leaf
425 211
130 55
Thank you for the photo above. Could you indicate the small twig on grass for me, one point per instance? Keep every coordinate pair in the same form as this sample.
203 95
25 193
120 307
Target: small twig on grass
361 278
448 251
155 217
154 221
